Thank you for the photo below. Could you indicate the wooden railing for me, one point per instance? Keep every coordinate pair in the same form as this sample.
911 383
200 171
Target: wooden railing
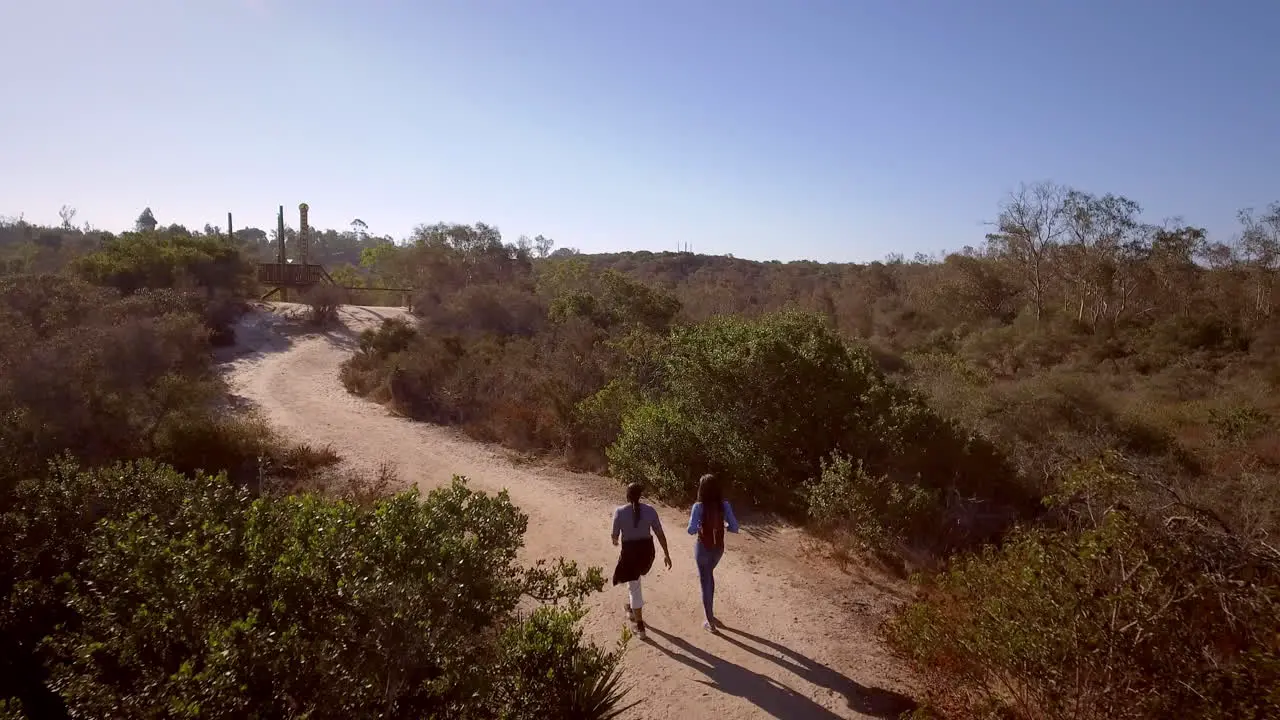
290 275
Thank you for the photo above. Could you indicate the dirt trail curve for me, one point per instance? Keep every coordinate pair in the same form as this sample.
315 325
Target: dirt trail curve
797 642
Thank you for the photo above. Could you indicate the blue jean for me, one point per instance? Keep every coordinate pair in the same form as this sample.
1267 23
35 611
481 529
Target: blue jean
707 559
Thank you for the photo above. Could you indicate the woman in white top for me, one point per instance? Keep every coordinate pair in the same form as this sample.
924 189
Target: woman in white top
633 523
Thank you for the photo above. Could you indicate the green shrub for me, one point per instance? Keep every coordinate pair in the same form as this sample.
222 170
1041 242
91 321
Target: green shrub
660 446
369 369
762 402
880 512
490 309
322 303
542 655
1239 424
106 377
134 261
220 309
1120 621
758 402
103 387
393 335
510 362
243 446
184 595
46 530
598 418
12 709
521 391
608 299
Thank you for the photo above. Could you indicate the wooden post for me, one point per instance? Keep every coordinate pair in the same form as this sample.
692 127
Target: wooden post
304 236
230 232
280 236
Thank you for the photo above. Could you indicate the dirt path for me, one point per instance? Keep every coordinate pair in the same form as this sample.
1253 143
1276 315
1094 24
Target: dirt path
798 640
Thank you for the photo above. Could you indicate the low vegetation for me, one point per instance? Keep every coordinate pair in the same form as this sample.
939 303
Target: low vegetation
1069 433
1070 430
163 556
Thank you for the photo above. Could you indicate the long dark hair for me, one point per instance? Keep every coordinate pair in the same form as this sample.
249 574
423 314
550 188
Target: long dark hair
633 497
709 491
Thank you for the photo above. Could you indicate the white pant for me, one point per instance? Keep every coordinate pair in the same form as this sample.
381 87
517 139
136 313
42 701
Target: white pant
637 597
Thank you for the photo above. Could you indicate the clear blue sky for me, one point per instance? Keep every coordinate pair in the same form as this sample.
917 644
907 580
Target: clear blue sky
823 129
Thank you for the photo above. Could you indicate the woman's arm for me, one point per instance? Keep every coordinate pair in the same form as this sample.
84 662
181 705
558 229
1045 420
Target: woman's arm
695 518
662 540
656 526
617 528
729 518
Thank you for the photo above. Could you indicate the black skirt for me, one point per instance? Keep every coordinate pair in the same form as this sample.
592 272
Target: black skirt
634 561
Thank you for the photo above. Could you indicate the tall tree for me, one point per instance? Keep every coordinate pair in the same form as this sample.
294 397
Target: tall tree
543 245
1030 226
1260 251
1097 231
67 213
1174 249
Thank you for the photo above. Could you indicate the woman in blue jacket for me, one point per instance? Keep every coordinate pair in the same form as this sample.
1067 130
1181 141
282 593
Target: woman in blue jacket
708 519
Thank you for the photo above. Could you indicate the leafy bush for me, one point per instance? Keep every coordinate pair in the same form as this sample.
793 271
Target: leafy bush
881 513
598 418
102 382
47 526
490 309
185 594
543 655
1096 627
1239 423
108 377
761 403
1123 619
606 299
11 709
243 446
490 359
322 303
104 377
660 445
136 260
392 336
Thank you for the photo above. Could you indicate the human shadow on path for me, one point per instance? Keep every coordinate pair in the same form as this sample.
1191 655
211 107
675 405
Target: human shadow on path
769 695
343 336
872 701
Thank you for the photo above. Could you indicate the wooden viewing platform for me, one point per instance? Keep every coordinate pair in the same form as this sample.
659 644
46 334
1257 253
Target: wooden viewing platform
282 275
302 277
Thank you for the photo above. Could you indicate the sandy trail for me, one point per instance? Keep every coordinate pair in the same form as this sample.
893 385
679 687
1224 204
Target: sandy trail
798 641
